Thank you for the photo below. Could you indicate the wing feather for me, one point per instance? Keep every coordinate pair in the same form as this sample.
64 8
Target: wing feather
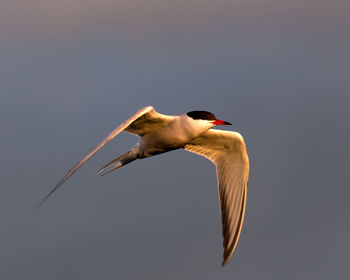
133 125
227 150
148 122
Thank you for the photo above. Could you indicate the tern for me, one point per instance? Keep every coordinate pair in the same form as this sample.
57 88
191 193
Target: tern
193 132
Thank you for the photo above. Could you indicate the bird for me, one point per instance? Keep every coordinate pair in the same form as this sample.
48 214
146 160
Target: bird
192 132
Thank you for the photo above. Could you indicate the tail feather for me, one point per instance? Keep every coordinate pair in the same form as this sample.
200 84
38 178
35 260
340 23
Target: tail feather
110 163
121 161
119 164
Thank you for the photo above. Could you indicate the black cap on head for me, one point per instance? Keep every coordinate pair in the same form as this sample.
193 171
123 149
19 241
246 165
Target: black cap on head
201 115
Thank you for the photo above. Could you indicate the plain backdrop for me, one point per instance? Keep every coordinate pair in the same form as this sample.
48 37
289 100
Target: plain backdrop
71 71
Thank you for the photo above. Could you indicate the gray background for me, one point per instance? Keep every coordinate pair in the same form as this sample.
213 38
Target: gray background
73 70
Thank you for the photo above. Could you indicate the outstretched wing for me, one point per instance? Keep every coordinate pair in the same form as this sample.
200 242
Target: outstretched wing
226 149
144 118
148 122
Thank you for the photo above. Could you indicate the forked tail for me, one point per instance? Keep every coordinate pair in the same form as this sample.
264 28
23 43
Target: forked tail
121 161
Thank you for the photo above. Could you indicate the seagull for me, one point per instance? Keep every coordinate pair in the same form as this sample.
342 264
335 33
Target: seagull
193 132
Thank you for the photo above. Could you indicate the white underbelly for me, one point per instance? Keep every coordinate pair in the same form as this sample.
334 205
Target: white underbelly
157 143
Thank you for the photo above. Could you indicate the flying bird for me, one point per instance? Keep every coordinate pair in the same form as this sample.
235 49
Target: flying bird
193 132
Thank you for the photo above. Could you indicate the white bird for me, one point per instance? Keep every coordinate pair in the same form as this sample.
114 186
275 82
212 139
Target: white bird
192 131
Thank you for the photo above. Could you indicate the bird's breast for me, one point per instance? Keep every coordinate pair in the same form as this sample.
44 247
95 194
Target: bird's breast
163 141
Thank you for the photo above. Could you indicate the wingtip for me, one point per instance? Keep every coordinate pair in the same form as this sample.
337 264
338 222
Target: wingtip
226 257
224 262
41 203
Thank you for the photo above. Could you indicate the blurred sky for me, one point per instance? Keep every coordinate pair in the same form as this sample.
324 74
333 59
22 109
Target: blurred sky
73 70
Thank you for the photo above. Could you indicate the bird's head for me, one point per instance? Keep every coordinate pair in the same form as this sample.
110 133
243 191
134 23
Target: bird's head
206 118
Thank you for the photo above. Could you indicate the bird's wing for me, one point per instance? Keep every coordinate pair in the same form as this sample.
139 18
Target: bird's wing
137 124
145 123
226 149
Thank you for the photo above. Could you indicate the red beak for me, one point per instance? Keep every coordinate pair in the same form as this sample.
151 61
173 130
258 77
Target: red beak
220 122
